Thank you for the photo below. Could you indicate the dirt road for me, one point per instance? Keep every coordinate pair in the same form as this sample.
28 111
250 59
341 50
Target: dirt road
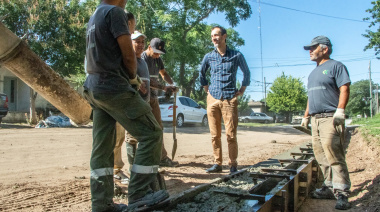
48 169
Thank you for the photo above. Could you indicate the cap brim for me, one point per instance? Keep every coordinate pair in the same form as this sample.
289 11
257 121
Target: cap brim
133 38
158 51
307 47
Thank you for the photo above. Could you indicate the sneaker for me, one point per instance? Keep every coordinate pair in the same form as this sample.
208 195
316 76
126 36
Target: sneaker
342 203
168 162
149 199
233 169
323 193
215 168
124 179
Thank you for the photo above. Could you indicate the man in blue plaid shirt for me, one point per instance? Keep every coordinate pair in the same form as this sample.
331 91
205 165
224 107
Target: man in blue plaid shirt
223 63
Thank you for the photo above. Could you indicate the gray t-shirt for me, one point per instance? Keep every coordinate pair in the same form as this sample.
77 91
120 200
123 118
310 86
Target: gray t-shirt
154 66
105 67
143 72
323 86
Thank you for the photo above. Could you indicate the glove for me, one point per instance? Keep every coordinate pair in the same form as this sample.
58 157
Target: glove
136 82
339 117
305 122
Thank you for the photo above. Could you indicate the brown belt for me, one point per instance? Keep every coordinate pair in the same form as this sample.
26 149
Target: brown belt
322 115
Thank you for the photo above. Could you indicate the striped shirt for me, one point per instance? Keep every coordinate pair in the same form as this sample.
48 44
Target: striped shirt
223 71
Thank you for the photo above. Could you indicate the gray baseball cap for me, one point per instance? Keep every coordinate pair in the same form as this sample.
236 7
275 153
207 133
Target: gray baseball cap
319 40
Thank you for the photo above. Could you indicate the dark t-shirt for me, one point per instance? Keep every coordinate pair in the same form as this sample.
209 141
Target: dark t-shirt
323 86
105 68
154 66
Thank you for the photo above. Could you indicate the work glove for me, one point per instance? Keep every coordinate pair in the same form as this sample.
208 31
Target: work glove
339 117
305 122
136 82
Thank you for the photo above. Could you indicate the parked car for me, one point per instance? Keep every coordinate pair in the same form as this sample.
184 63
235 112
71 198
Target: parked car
280 118
187 111
256 117
3 106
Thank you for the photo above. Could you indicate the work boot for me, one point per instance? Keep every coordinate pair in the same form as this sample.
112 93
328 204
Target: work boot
119 175
168 162
215 168
233 169
150 199
323 193
342 203
117 208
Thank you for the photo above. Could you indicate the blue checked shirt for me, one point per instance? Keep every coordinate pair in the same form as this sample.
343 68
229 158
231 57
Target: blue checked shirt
223 71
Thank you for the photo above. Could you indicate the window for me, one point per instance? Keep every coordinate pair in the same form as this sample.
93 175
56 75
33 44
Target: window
192 103
183 101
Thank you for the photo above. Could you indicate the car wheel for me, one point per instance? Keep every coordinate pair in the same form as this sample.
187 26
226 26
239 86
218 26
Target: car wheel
246 121
180 120
205 121
266 121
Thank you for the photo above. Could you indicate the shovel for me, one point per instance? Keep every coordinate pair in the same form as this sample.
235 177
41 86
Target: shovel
174 125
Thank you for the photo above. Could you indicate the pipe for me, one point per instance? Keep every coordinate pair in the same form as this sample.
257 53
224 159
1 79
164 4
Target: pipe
17 57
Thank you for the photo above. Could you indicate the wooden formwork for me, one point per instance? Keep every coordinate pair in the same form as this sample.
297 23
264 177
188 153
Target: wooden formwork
282 189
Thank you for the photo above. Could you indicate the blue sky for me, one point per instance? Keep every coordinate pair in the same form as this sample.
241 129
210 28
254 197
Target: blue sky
285 32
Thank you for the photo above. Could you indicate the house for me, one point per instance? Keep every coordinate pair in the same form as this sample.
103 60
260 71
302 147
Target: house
19 98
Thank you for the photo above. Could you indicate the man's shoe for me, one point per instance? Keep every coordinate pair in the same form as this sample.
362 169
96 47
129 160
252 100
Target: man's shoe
168 162
323 193
215 168
124 179
233 169
342 203
117 208
149 199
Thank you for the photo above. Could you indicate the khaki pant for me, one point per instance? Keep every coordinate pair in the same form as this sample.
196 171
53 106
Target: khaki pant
216 109
154 104
328 149
120 138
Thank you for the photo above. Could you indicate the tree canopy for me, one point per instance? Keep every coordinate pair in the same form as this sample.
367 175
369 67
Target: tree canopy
359 102
287 94
182 25
54 29
373 36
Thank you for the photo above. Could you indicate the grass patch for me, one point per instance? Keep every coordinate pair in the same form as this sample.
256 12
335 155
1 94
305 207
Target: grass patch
370 128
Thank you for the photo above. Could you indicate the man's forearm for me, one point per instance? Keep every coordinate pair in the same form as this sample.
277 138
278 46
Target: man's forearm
166 76
307 109
128 54
344 96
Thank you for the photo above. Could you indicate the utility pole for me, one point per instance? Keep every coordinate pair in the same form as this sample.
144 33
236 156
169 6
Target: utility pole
261 51
265 95
377 99
370 88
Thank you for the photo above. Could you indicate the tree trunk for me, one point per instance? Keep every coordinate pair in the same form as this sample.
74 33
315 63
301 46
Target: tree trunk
33 113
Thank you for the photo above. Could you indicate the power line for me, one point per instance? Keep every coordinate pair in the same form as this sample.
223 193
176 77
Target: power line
312 13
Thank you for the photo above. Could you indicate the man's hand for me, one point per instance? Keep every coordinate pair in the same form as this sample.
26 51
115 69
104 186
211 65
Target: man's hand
241 91
136 81
143 87
339 117
305 122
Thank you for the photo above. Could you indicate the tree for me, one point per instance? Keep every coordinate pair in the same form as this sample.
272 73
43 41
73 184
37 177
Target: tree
359 98
55 31
181 24
287 95
374 36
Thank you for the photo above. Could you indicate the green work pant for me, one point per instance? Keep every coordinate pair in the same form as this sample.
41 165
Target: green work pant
135 115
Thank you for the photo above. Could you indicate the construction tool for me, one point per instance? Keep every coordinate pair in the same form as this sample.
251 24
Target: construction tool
174 124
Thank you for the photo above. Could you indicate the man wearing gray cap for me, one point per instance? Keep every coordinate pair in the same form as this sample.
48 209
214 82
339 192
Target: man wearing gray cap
328 93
